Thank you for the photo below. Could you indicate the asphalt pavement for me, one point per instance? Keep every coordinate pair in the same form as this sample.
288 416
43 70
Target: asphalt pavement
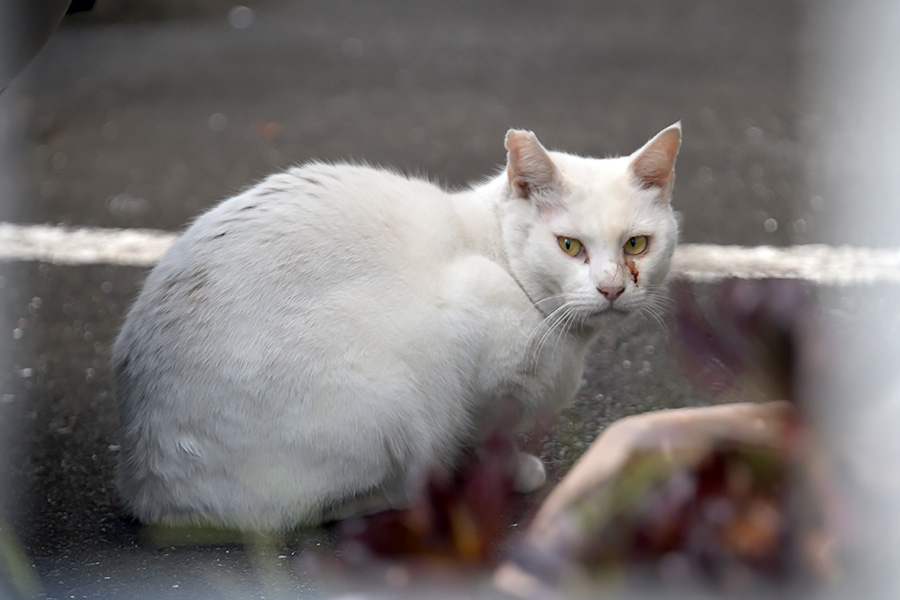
143 114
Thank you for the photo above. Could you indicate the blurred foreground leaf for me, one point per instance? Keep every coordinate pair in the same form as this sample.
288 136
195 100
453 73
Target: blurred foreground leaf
15 567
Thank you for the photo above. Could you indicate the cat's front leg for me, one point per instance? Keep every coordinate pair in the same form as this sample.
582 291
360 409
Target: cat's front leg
528 474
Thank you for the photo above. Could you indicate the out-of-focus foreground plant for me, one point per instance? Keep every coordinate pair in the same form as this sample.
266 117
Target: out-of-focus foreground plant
737 497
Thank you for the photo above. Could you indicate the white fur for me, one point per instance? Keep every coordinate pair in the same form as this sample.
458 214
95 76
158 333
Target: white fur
318 345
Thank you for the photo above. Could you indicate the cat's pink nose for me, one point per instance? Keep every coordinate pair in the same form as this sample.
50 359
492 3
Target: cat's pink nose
611 291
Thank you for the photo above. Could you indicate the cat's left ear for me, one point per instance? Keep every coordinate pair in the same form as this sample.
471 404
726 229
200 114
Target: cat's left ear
654 164
532 174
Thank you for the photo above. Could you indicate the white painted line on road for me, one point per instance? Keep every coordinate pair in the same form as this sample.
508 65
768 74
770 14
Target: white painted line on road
82 246
835 265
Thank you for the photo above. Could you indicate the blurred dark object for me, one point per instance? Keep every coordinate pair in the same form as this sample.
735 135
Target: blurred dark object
748 343
737 498
80 6
725 497
461 519
446 539
25 26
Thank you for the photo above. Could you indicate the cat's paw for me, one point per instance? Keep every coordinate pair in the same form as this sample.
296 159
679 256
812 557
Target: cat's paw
529 475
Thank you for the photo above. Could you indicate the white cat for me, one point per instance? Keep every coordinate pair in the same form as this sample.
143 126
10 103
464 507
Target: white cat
318 345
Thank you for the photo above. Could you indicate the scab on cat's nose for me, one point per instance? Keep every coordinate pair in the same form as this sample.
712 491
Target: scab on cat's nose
611 291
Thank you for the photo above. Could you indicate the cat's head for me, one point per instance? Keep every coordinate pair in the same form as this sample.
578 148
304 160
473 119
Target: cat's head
586 237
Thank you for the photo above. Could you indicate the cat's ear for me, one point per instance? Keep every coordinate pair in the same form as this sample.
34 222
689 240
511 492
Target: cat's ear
654 164
532 174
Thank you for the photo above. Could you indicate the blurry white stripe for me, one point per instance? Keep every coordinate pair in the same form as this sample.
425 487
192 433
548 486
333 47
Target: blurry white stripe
60 245
699 262
837 265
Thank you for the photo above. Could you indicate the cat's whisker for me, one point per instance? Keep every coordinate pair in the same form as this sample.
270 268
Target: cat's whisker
551 322
542 328
547 327
579 310
543 322
652 317
660 299
655 309
539 327
568 321
553 298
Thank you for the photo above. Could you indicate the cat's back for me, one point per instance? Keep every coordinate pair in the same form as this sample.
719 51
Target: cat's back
310 229
311 239
316 252
331 209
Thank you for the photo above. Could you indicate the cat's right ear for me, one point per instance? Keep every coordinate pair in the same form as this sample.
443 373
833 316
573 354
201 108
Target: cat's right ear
654 164
532 174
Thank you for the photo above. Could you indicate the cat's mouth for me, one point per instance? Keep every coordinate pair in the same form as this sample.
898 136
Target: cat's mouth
611 309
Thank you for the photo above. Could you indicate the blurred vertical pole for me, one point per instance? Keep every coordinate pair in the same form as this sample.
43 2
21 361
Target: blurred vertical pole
25 26
853 136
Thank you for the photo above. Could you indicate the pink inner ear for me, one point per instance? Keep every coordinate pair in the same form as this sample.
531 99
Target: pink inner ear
529 167
654 166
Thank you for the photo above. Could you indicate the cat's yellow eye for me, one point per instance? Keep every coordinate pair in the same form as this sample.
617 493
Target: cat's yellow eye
570 246
636 245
